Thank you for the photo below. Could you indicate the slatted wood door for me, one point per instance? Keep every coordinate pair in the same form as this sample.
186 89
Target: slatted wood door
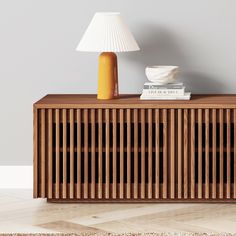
135 154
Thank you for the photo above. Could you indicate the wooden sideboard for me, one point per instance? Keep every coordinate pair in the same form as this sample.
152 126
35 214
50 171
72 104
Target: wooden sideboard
127 150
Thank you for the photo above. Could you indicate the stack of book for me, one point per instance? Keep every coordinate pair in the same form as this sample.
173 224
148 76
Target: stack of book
173 91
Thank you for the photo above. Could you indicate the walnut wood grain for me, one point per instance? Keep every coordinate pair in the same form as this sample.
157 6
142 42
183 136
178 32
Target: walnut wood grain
93 152
36 155
214 171
157 153
221 190
64 123
43 152
79 148
107 122
180 153
192 160
207 181
114 153
128 101
186 148
50 153
172 154
128 121
234 153
200 153
228 147
136 133
150 153
86 154
121 154
90 150
100 155
57 192
165 154
142 153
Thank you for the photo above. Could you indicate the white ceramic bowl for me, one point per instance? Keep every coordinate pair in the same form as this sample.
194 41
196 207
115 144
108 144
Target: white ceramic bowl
162 74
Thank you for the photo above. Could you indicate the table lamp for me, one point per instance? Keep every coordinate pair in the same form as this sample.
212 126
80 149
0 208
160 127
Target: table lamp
107 33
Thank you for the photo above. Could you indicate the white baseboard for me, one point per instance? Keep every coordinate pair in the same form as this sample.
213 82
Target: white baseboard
16 177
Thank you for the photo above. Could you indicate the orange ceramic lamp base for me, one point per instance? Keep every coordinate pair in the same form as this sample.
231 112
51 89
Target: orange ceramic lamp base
107 76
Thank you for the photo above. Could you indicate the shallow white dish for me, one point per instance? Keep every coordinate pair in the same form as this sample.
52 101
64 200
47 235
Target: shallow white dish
162 74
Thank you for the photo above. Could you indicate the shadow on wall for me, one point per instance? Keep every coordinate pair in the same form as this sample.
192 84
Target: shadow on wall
161 47
201 83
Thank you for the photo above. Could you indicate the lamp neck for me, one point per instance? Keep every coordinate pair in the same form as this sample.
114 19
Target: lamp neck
108 54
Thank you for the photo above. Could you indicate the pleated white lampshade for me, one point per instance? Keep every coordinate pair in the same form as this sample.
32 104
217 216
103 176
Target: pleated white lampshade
107 32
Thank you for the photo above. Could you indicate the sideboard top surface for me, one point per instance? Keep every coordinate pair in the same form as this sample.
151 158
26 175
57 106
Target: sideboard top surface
133 101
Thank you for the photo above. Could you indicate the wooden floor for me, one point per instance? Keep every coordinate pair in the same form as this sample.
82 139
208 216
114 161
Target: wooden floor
20 213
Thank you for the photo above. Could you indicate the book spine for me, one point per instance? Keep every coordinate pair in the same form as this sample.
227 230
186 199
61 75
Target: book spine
143 97
163 92
153 85
168 98
161 87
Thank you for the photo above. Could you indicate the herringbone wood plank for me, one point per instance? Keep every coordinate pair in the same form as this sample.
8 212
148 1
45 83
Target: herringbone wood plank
20 213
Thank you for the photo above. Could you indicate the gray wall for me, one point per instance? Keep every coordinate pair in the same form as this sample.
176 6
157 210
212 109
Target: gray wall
37 54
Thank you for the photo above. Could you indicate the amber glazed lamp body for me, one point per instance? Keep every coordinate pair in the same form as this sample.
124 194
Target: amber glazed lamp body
107 76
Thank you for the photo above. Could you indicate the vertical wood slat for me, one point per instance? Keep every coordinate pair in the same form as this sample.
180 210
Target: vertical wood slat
100 192
36 156
221 188
214 173
57 195
107 184
142 153
50 154
86 187
149 153
136 153
200 153
78 118
72 153
192 148
64 151
228 146
234 153
157 153
121 153
172 154
93 156
128 120
165 155
185 153
180 153
114 153
207 181
43 152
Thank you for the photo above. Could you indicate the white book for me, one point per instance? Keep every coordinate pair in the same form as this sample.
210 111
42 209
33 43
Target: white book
164 91
186 96
150 85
